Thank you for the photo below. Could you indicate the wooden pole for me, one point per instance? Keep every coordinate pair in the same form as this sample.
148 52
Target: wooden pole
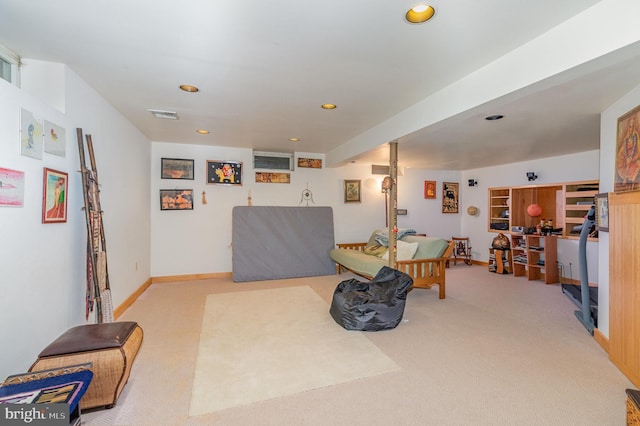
91 260
393 203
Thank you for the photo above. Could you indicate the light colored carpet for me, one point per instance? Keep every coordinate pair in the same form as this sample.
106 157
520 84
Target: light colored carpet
263 344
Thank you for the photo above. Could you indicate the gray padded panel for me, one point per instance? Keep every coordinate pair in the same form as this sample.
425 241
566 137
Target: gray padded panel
281 242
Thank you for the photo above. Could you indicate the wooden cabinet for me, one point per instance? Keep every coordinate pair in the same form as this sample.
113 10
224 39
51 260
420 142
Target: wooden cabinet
624 283
565 204
536 257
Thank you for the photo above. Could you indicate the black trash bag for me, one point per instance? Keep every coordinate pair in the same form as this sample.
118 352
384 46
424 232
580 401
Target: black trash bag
371 306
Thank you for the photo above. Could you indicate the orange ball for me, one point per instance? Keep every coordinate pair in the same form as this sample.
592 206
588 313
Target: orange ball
534 210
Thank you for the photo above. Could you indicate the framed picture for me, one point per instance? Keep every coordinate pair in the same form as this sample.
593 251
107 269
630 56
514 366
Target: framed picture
224 172
602 212
176 199
176 168
352 191
54 196
450 196
627 175
30 135
55 139
310 163
430 189
11 187
273 177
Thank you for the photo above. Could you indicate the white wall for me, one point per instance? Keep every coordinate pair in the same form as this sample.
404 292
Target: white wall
42 267
199 241
608 126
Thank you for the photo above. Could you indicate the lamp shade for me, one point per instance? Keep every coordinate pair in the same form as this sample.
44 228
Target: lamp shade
534 210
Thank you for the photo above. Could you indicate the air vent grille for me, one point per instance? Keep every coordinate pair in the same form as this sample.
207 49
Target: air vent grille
167 115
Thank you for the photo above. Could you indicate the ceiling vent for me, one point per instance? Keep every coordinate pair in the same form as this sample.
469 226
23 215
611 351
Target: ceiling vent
168 115
379 170
385 170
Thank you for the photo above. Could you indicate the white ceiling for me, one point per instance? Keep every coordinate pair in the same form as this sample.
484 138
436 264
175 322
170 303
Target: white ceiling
264 68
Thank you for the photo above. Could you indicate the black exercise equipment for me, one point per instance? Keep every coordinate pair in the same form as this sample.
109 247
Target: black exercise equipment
585 297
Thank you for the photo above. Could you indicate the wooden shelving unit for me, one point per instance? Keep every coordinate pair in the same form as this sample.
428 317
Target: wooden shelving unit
519 254
578 198
499 206
565 204
542 258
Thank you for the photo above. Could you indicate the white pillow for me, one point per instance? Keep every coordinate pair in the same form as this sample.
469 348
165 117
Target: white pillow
406 251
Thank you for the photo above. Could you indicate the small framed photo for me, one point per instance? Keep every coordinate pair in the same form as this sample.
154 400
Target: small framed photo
176 199
273 177
430 189
224 172
352 191
54 196
310 163
176 168
602 212
450 194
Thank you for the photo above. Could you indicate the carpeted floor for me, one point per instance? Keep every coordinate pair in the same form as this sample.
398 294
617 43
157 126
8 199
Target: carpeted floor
263 344
499 350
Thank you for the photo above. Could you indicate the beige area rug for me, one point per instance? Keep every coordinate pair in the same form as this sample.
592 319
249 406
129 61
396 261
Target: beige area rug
251 350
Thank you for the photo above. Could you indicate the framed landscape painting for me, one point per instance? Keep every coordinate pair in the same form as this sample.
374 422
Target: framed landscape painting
176 168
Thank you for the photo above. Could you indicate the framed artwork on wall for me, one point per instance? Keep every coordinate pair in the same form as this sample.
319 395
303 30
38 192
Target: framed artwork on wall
176 168
310 163
429 189
602 212
352 191
55 139
30 135
627 174
224 172
273 177
176 199
11 188
450 194
54 196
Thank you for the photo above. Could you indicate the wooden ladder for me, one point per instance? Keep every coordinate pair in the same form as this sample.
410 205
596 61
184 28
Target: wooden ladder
98 287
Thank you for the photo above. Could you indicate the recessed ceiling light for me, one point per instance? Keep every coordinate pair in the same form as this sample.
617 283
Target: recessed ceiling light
294 139
419 14
329 106
189 88
202 131
494 117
